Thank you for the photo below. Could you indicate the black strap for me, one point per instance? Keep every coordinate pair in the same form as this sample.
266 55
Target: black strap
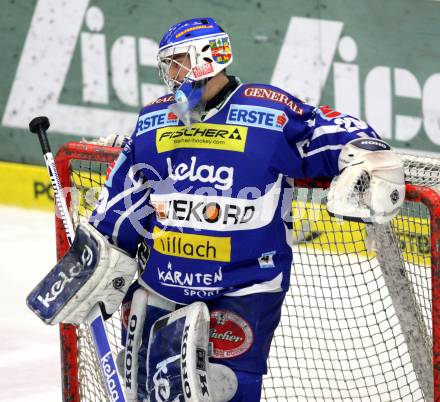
223 94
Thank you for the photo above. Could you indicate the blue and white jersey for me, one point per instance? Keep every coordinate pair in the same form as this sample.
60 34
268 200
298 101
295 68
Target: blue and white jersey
209 201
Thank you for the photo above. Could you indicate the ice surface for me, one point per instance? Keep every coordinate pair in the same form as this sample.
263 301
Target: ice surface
29 349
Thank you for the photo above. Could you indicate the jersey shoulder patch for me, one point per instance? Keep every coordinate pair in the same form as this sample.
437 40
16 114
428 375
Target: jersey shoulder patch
268 94
168 98
156 115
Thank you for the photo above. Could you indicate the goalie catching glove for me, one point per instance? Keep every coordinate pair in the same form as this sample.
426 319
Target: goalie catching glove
112 140
371 186
93 271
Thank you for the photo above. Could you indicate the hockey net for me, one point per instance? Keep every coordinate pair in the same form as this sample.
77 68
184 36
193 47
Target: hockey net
358 323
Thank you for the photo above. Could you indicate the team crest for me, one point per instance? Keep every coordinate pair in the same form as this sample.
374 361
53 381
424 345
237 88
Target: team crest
220 50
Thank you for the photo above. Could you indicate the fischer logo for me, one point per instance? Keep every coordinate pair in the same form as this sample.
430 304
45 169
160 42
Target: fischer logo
44 73
222 176
74 271
129 350
303 69
202 135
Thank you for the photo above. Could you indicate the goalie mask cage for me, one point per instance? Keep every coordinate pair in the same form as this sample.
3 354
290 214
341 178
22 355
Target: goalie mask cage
356 325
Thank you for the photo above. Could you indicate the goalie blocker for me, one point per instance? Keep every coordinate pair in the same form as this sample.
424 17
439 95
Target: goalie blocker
93 271
371 186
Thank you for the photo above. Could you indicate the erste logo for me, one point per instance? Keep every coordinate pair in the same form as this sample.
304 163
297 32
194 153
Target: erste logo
257 116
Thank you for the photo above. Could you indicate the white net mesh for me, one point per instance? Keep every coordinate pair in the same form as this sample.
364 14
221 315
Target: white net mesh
422 171
340 338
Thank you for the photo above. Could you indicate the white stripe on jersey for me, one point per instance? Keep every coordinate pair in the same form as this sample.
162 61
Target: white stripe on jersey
323 149
126 214
323 130
272 286
360 134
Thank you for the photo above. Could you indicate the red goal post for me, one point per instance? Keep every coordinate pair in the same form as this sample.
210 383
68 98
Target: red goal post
82 165
68 333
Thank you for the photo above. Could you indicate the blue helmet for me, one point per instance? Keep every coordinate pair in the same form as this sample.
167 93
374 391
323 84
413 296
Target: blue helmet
203 41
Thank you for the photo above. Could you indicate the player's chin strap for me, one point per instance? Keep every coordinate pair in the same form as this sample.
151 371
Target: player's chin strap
177 360
371 186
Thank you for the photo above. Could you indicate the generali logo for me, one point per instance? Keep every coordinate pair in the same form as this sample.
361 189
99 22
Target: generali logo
306 64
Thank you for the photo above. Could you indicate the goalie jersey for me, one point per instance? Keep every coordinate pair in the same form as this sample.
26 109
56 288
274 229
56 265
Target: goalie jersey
211 204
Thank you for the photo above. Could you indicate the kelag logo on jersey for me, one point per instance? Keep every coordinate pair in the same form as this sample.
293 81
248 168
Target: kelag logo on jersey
202 135
221 177
155 120
257 116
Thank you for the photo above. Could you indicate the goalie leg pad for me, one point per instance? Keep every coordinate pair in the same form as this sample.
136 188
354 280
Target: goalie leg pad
133 340
177 359
144 308
93 271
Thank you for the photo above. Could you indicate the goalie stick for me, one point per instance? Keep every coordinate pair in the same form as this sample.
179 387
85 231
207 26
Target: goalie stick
39 126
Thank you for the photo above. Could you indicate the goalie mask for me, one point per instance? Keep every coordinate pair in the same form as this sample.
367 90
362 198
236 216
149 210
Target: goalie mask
190 53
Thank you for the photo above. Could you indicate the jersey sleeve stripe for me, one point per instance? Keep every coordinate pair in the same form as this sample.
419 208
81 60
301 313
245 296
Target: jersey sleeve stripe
323 149
324 130
126 214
